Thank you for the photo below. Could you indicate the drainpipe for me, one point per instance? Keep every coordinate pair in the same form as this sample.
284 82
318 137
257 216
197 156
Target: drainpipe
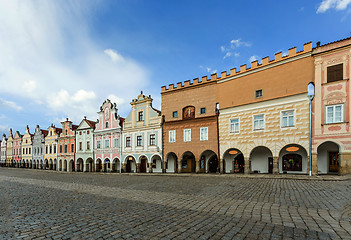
162 144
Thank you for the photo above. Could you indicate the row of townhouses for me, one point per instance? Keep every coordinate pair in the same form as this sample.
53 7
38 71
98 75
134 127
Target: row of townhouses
250 120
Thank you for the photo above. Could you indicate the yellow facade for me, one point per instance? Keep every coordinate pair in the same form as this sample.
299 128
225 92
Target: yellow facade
50 157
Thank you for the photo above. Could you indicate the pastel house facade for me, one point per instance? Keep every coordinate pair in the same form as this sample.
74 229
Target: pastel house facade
17 150
38 147
331 149
27 148
51 148
67 146
142 137
84 156
3 151
107 139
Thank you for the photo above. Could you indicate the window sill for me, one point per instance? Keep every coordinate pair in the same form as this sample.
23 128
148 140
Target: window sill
333 123
328 83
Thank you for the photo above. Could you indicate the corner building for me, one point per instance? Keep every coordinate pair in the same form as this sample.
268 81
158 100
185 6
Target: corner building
331 134
264 115
190 126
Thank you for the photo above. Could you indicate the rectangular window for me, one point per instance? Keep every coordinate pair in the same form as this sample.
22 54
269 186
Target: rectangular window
116 143
72 148
88 145
46 150
259 93
54 148
30 150
202 110
107 143
288 118
187 135
139 141
234 125
60 148
98 144
80 146
172 135
88 132
259 122
175 114
23 150
335 73
335 113
140 116
152 139
65 148
204 134
127 141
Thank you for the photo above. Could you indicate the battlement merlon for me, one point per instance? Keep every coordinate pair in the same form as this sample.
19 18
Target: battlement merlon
292 52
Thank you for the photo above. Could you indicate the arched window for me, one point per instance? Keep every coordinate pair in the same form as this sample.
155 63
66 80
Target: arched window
292 162
106 125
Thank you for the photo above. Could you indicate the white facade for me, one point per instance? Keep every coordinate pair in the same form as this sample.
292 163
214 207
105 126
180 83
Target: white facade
3 151
142 137
85 146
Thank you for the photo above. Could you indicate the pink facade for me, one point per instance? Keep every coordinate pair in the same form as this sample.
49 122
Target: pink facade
17 150
107 138
332 106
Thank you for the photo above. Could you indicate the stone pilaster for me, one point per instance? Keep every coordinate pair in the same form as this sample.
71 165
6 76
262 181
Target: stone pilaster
314 164
179 165
247 166
124 167
150 167
221 170
275 165
197 164
345 163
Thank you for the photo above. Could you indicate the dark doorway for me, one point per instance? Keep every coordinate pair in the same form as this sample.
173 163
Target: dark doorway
143 162
270 165
239 163
213 164
333 162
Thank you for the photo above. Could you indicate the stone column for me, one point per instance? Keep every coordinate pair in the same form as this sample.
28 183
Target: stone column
314 164
275 165
247 166
179 166
197 164
345 163
124 167
137 167
150 167
221 170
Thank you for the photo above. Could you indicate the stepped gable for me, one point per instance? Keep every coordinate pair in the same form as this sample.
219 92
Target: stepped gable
292 52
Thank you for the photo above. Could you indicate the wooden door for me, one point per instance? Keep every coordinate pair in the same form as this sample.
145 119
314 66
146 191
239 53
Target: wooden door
333 162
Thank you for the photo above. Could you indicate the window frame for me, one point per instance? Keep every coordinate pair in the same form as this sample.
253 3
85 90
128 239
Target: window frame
152 140
140 116
139 141
260 91
282 117
187 135
128 141
172 136
204 110
253 122
201 136
333 107
175 114
230 125
107 141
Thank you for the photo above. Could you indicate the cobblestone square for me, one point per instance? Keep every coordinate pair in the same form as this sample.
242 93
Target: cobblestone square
37 204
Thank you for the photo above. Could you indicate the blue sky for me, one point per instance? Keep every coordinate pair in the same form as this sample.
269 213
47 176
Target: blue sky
63 60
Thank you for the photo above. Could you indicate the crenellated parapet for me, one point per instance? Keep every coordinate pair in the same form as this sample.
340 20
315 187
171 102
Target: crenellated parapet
278 57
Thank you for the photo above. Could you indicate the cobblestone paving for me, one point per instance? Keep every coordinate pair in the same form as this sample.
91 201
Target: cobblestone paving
38 204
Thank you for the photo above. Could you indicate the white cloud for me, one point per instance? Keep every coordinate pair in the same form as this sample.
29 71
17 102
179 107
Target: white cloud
115 99
233 44
9 104
4 129
47 49
337 4
228 54
253 58
114 55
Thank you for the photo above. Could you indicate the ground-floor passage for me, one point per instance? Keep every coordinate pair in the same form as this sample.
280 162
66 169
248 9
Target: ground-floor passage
183 207
292 158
